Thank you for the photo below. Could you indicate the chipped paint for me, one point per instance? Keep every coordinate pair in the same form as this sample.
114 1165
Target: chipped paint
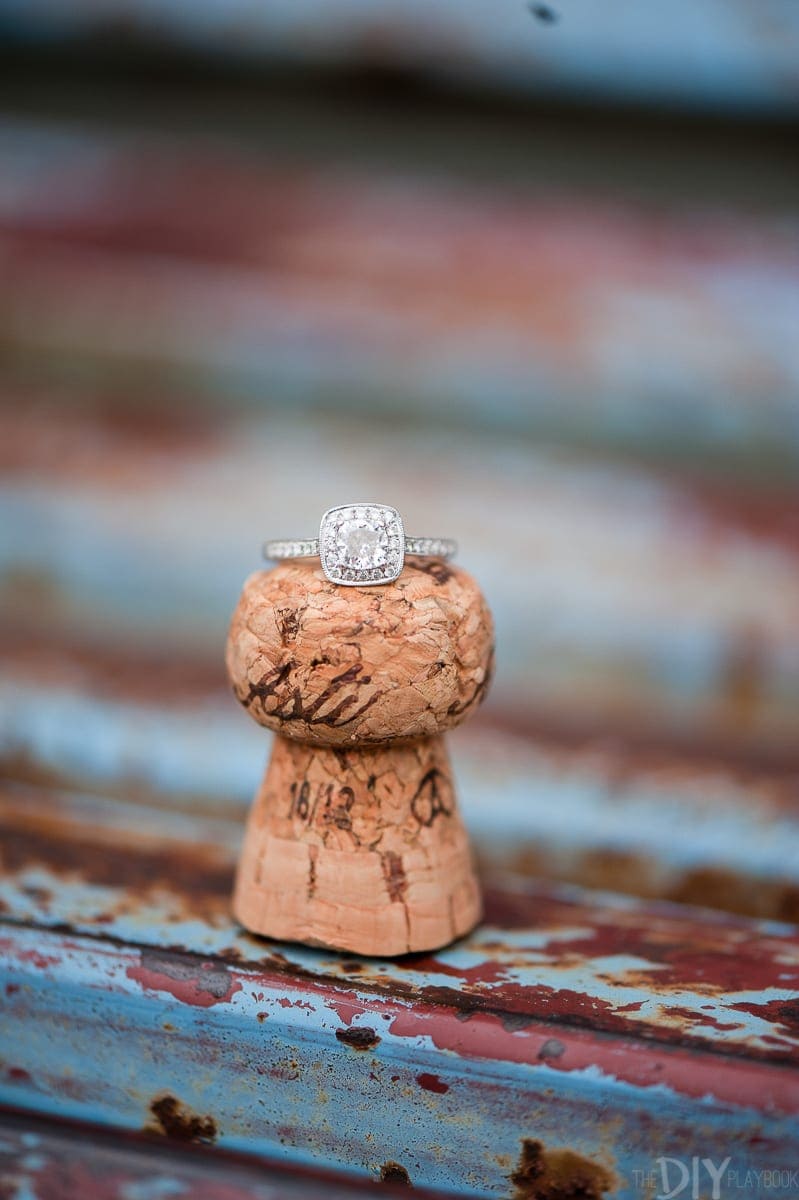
620 965
39 1158
202 983
287 1092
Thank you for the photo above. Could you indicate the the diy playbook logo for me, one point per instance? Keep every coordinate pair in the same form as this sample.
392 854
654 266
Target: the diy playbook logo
696 1178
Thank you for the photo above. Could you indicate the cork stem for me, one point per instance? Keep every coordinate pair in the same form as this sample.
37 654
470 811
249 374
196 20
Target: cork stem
360 849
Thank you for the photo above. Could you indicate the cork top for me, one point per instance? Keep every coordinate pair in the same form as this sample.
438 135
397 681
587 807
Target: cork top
344 666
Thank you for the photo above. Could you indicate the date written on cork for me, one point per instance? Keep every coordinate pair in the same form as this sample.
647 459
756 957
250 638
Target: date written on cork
336 803
431 799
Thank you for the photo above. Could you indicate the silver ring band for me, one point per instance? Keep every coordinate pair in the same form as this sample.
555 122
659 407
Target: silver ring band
420 547
279 548
361 544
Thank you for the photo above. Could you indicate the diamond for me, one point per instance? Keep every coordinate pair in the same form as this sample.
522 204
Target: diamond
362 543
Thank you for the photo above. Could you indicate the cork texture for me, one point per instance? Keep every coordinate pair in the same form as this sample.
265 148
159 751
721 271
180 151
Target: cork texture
355 841
360 850
337 666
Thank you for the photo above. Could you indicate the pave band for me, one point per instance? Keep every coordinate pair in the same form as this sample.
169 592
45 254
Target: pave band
428 547
421 547
279 548
361 543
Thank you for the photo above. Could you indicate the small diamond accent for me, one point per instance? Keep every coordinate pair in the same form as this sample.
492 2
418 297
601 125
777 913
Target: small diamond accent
362 543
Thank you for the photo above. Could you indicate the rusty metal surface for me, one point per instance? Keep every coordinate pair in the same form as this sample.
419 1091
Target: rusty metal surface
606 1028
612 1031
202 347
84 742
49 1160
345 313
697 53
593 319
148 877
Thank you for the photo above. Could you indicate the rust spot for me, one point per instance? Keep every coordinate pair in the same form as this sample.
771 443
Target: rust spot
359 1037
392 1172
174 1120
432 1083
559 1174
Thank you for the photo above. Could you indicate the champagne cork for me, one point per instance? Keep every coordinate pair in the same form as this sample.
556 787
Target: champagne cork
355 840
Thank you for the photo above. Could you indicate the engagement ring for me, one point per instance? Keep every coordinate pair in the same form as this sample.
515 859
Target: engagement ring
361 543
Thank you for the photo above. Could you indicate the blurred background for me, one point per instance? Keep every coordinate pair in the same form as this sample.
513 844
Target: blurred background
529 272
